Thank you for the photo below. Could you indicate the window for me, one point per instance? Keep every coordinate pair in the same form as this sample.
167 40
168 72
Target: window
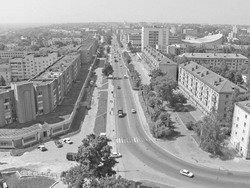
226 102
227 96
245 116
237 118
235 133
243 131
245 124
225 115
236 125
242 139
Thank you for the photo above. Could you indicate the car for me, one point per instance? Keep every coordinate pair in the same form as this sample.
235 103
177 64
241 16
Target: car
118 87
42 148
187 173
58 143
133 111
67 140
115 155
125 76
120 65
103 134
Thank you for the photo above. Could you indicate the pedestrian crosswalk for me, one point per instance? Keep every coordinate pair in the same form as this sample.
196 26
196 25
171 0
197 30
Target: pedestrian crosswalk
131 140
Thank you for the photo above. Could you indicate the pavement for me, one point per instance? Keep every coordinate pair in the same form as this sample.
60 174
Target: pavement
54 159
134 139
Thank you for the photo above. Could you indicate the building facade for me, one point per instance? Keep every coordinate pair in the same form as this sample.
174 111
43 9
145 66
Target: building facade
135 39
240 133
233 61
156 37
155 59
206 89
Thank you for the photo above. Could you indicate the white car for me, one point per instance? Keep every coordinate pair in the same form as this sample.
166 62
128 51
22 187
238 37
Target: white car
42 148
187 173
133 111
67 140
115 155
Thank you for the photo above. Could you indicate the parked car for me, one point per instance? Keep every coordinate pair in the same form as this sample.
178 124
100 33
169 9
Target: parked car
71 156
103 134
42 148
118 87
133 111
187 173
115 155
58 143
67 140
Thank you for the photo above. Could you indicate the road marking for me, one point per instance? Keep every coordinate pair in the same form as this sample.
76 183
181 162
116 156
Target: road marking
131 140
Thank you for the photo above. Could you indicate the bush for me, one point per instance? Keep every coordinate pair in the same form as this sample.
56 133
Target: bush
160 131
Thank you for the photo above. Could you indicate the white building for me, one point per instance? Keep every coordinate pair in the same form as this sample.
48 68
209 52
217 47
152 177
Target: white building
240 134
233 61
156 37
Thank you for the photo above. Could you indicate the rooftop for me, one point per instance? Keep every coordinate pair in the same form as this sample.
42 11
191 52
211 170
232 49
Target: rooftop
215 81
245 105
214 55
57 68
206 39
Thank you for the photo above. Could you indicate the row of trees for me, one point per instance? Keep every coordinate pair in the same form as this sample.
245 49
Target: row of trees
107 69
161 89
94 165
126 57
211 132
232 75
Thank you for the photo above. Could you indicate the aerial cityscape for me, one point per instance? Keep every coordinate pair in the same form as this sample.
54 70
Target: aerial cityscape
124 94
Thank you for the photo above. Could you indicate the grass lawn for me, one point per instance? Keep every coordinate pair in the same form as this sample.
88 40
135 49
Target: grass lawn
13 181
100 121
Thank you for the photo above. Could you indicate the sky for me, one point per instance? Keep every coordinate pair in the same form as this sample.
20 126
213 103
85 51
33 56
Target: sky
168 11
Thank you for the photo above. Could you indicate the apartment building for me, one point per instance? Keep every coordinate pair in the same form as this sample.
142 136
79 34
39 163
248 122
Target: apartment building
155 59
174 39
30 65
233 61
240 133
156 37
5 71
7 106
12 54
88 49
135 39
206 89
26 100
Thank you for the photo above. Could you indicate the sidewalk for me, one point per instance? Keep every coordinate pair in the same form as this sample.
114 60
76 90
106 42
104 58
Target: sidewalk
184 147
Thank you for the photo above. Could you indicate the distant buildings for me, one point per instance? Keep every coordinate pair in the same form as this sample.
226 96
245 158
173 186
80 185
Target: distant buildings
240 133
206 89
135 40
233 61
156 37
156 59
207 40
190 32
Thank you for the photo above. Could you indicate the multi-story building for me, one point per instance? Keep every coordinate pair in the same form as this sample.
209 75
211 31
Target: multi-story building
155 59
206 89
233 61
88 49
24 101
156 37
174 39
240 134
12 54
5 71
30 65
135 39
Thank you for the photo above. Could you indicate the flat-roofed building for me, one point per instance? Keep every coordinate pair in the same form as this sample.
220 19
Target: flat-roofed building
12 54
155 59
135 39
206 89
156 37
233 61
240 134
7 106
5 70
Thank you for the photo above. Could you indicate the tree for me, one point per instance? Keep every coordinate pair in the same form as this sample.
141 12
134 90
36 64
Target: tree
211 135
108 49
160 131
2 46
93 159
34 47
111 182
108 69
156 73
2 81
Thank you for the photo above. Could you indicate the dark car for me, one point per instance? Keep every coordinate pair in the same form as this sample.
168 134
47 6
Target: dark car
71 156
58 143
118 87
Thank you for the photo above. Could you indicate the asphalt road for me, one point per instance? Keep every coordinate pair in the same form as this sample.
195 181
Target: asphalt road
129 130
